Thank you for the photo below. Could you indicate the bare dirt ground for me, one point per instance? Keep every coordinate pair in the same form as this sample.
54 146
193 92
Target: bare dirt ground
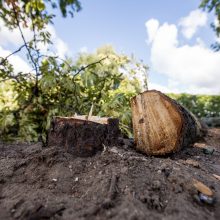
117 183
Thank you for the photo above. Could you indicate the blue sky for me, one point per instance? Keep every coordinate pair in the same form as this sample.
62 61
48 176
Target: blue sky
122 24
172 37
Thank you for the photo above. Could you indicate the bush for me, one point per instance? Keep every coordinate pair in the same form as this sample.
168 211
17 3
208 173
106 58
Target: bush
105 80
200 105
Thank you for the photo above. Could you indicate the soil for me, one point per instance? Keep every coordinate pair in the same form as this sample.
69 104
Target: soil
116 183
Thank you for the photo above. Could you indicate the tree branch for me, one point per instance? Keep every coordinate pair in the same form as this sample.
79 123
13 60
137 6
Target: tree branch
82 69
89 65
16 51
28 50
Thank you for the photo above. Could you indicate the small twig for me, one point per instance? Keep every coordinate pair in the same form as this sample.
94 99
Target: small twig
108 202
104 149
82 69
113 187
90 112
89 65
35 92
16 51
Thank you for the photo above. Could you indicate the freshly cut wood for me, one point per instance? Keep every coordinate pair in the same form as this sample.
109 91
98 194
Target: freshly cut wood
161 125
83 135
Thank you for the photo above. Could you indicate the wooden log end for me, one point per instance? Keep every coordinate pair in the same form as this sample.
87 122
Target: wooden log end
160 124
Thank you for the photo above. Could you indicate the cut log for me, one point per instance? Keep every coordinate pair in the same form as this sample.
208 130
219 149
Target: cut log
161 125
83 136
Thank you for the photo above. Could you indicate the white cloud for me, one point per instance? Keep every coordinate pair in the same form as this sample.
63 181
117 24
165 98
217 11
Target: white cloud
9 37
152 26
164 89
59 47
194 68
13 38
192 22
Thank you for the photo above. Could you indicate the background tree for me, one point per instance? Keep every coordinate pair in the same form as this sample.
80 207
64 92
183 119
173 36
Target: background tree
105 80
213 5
35 16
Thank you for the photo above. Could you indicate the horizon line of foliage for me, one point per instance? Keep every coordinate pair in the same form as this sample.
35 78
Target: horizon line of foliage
200 105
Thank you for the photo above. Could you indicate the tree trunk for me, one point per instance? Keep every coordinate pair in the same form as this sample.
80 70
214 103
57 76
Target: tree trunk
161 125
82 136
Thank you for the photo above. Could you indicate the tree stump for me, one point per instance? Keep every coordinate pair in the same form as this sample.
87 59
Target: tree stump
161 125
82 136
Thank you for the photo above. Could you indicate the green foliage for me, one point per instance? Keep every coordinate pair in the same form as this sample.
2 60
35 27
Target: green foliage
213 5
8 104
200 105
26 114
103 79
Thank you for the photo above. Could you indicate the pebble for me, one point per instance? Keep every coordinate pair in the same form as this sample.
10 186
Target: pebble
166 171
192 162
208 150
129 142
203 199
206 199
156 184
205 148
159 171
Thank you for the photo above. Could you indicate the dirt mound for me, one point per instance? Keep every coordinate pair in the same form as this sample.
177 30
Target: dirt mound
117 183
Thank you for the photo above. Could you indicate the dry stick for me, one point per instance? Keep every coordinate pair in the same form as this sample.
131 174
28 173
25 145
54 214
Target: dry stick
108 202
28 50
35 43
89 65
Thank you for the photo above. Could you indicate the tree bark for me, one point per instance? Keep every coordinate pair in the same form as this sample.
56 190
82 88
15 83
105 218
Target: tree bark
161 125
83 136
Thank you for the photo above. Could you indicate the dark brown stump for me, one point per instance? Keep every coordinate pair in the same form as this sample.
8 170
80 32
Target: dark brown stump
161 125
81 136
